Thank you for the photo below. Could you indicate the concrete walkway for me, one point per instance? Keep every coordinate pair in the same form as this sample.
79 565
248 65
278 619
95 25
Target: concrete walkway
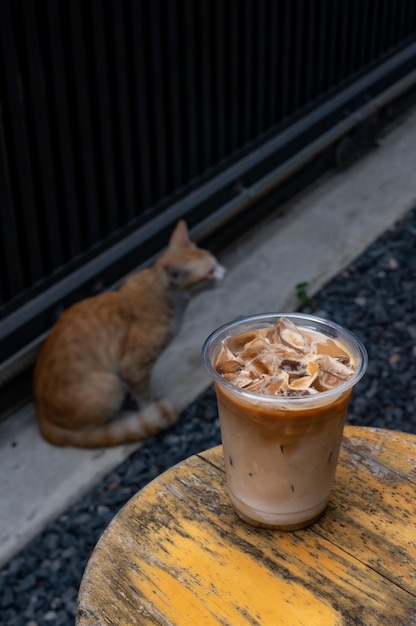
318 234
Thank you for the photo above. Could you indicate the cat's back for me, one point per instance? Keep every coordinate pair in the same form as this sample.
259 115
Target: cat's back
87 320
85 336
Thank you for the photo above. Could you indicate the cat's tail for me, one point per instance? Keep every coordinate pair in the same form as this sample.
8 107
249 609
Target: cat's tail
129 427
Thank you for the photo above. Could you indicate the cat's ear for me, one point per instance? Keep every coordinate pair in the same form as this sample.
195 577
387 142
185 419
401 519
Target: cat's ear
180 235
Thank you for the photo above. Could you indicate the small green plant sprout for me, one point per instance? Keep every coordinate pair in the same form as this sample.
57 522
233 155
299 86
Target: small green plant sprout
302 294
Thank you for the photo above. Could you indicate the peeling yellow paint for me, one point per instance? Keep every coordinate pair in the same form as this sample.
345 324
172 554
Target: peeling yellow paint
237 588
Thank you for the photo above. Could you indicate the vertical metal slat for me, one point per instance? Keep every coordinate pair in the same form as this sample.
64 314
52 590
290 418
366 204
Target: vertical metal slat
402 20
19 152
232 68
141 112
206 85
41 144
248 75
352 52
83 143
273 64
158 99
374 32
411 21
383 25
103 120
122 101
342 41
57 87
332 51
190 89
321 26
219 82
174 100
11 275
297 56
391 32
285 26
310 51
261 52
362 26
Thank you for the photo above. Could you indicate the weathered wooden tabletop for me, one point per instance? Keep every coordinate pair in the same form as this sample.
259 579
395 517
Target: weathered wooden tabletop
177 554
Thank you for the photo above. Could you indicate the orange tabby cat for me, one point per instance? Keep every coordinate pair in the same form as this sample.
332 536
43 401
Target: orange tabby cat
104 347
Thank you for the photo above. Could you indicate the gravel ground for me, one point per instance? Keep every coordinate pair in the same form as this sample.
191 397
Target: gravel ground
374 297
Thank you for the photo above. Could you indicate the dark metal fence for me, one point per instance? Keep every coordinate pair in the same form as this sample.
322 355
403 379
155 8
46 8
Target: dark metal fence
119 116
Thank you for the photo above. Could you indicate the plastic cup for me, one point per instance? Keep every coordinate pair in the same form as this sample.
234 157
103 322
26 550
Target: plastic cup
281 453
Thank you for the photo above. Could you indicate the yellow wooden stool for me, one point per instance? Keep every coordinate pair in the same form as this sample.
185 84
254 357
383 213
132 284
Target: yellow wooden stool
178 555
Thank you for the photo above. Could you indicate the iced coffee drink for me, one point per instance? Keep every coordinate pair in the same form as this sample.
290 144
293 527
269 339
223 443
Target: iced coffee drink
283 384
